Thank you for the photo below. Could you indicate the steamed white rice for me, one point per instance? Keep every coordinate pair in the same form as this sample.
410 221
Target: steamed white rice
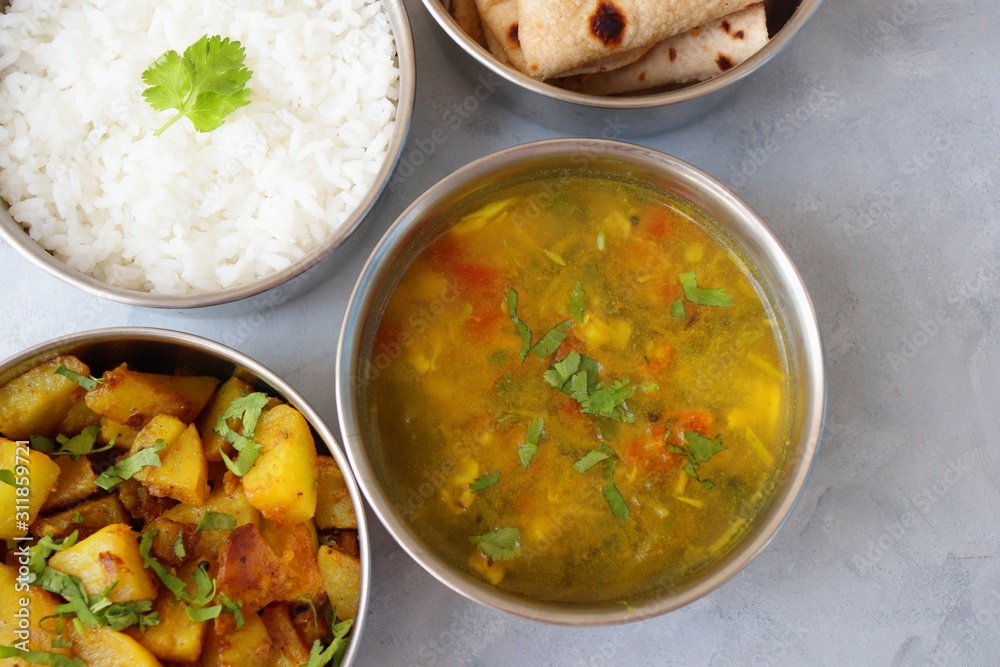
187 211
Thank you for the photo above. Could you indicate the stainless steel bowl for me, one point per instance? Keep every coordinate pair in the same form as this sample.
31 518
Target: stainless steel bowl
161 350
14 234
617 116
741 227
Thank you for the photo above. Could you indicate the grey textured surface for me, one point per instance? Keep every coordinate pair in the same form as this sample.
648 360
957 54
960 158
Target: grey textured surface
870 145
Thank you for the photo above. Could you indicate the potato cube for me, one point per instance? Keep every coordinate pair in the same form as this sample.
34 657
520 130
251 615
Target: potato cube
111 431
41 473
88 517
284 637
334 508
214 443
176 638
342 579
282 482
247 647
36 402
78 418
183 473
133 398
221 499
76 482
110 553
100 647
41 604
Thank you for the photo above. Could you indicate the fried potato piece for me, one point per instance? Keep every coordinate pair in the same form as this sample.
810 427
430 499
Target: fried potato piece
249 646
76 482
37 401
334 508
176 638
284 637
214 443
109 554
41 604
133 398
88 517
282 483
342 580
183 470
101 647
140 503
41 474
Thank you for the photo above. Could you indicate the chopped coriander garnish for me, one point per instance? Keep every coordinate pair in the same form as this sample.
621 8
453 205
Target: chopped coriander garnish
77 517
609 401
41 657
215 521
40 552
127 467
551 341
485 482
173 583
522 329
527 449
677 309
199 614
247 409
615 500
206 84
576 302
7 477
576 375
611 493
179 549
705 297
312 607
592 458
319 656
87 382
79 445
698 449
501 544
232 607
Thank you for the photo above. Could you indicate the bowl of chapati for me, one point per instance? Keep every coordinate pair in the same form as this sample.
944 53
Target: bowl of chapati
614 67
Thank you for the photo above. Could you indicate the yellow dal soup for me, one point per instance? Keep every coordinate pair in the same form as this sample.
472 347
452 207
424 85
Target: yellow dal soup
582 389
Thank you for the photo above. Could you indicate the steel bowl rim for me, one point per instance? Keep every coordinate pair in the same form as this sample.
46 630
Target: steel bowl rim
14 234
227 354
446 22
376 270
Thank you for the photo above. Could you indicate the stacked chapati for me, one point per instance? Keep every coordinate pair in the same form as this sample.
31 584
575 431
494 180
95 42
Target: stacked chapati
606 47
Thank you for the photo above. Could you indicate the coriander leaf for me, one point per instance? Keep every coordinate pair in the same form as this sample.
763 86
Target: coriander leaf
204 585
71 588
199 614
84 381
609 401
708 484
319 656
704 297
7 477
590 459
576 303
205 85
123 615
60 642
40 552
41 657
701 447
78 517
523 331
173 583
677 309
232 607
551 341
615 500
485 482
79 445
127 467
179 550
579 388
42 444
501 544
312 607
247 409
560 372
215 521
527 449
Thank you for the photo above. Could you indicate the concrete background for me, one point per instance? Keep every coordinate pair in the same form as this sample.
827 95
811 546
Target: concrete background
871 146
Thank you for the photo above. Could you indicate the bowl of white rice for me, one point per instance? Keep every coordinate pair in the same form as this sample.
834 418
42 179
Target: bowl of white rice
184 219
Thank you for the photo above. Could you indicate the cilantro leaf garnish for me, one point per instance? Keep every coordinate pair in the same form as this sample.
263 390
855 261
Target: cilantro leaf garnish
179 549
230 606
205 85
609 401
593 457
698 449
40 552
215 521
485 482
704 297
677 309
247 409
319 656
84 381
576 303
615 500
173 583
576 375
41 657
127 467
527 449
611 493
501 544
522 329
81 444
78 518
7 477
551 341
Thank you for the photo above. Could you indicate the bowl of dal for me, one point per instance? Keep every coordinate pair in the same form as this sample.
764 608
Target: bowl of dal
617 68
135 171
580 381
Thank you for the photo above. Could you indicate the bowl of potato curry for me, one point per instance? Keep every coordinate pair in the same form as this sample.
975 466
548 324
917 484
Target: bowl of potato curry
580 381
166 500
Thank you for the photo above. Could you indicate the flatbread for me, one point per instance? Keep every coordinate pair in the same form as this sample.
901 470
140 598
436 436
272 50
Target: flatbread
561 35
467 17
697 55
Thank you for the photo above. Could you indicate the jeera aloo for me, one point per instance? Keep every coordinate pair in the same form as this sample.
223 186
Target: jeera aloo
585 388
